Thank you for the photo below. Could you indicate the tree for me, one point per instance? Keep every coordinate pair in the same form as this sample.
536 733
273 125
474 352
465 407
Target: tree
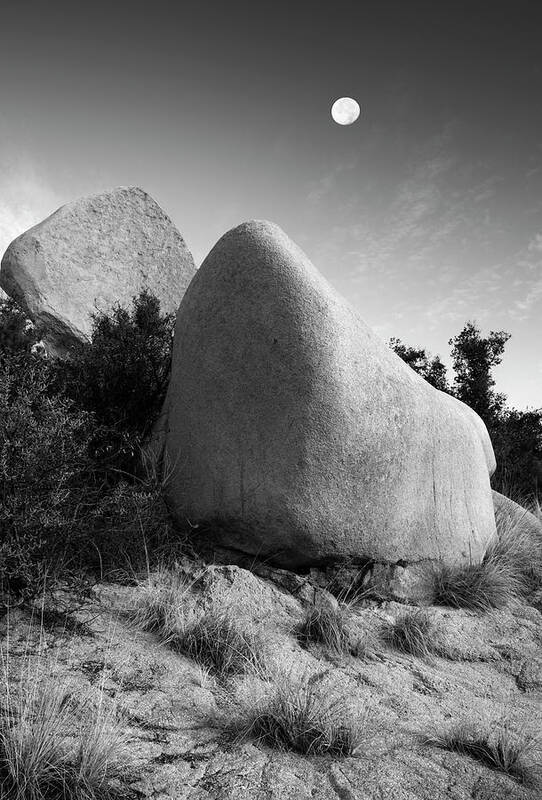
429 367
473 359
517 442
516 435
121 375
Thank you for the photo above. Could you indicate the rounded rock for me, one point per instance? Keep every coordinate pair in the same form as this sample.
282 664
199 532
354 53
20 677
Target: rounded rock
90 255
295 426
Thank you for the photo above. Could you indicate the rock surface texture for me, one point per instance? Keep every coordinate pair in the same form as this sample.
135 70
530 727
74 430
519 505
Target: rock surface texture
176 718
479 426
90 255
293 425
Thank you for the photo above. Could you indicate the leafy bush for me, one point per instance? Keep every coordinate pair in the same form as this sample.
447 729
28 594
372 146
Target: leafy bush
474 357
429 367
121 375
17 333
516 435
517 441
65 502
43 468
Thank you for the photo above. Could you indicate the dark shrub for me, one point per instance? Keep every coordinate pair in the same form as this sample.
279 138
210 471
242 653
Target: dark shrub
122 375
43 466
65 503
517 441
17 333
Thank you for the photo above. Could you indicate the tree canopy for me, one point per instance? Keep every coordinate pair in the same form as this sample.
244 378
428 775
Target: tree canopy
516 435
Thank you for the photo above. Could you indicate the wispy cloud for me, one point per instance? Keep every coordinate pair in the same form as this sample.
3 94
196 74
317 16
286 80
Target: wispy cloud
444 235
320 188
525 307
25 198
535 245
442 243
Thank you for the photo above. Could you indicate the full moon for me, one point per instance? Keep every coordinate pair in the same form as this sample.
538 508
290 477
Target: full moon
345 110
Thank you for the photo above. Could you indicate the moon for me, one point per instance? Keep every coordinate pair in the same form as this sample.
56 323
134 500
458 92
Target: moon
345 110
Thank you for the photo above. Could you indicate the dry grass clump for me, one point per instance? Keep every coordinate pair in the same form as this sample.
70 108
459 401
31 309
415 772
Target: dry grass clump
511 568
298 716
217 640
33 764
44 755
519 546
413 632
163 604
505 750
477 587
97 755
348 583
325 624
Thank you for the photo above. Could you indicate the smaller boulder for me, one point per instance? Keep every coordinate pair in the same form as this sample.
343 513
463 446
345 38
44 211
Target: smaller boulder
90 255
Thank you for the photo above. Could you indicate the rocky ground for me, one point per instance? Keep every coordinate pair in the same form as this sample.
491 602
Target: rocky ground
175 716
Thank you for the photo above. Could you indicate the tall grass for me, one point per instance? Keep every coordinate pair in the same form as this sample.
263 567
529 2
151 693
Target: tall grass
33 763
219 642
511 568
97 753
413 632
325 624
216 639
50 749
297 715
477 587
519 546
515 754
163 606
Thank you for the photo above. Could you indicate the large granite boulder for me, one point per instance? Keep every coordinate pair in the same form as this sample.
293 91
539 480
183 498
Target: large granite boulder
90 255
479 426
297 434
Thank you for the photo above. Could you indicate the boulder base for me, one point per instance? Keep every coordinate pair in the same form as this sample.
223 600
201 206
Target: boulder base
294 431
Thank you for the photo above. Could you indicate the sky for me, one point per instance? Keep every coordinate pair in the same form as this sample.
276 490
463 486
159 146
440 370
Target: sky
425 214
